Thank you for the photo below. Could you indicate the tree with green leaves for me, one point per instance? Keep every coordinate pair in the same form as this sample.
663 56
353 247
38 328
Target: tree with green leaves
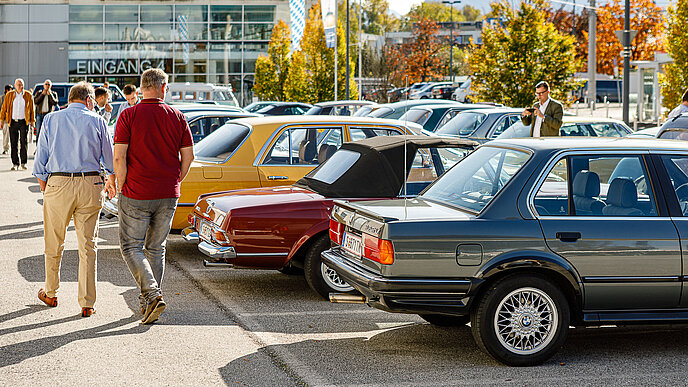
376 17
515 56
440 13
272 70
674 81
311 76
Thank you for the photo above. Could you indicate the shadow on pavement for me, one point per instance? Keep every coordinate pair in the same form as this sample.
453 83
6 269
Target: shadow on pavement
21 313
18 352
20 226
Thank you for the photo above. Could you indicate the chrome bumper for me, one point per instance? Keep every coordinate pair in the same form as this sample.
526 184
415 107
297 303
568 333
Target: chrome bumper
111 207
217 252
190 235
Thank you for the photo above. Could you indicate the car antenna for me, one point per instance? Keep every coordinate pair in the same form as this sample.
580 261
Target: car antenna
405 156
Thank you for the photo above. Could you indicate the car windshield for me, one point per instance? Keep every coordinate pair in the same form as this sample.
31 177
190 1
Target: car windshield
382 112
221 143
254 107
463 124
474 181
419 116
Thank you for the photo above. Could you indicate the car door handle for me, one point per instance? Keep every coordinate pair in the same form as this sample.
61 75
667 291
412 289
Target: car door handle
568 236
278 178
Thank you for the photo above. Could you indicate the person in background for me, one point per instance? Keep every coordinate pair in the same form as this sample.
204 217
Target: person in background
5 126
46 101
73 147
548 113
18 110
131 95
153 153
681 108
103 107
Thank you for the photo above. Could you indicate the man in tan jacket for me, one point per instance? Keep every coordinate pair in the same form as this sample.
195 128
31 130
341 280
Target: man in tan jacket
18 110
547 112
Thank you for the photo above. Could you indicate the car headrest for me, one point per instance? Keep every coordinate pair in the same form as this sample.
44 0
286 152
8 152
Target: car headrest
326 151
307 151
586 184
622 193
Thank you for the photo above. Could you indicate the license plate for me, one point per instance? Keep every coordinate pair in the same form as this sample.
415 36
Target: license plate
205 231
352 244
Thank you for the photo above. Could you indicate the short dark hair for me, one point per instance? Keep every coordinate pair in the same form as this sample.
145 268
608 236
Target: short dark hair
8 88
102 91
685 96
128 89
542 84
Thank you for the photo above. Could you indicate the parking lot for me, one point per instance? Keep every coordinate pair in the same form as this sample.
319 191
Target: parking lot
250 327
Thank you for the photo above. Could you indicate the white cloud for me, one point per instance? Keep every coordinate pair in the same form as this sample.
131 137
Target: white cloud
402 6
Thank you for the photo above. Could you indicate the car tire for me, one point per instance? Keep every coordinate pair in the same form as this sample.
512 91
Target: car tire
507 325
443 320
291 270
321 278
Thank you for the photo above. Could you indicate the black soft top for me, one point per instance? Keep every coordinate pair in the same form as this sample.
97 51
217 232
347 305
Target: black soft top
379 171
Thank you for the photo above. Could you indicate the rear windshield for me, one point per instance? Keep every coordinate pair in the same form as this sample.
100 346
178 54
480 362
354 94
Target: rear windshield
463 124
336 166
419 116
221 143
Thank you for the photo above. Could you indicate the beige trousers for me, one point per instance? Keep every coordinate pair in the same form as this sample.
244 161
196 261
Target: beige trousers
5 137
66 198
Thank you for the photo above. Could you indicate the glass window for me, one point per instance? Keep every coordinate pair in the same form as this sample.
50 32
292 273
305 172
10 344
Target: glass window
605 130
225 13
86 32
574 130
478 178
155 55
85 13
503 124
419 116
305 146
258 31
152 32
225 58
121 13
189 78
516 130
251 53
447 117
225 31
202 127
611 186
190 58
463 124
220 144
120 32
553 196
362 133
674 135
677 168
194 31
193 13
156 13
259 13
382 112
450 156
337 165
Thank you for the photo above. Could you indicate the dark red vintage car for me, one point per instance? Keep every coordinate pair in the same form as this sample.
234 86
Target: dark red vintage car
286 228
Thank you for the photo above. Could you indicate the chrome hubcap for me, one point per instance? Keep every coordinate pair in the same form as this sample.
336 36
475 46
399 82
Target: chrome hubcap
333 280
526 320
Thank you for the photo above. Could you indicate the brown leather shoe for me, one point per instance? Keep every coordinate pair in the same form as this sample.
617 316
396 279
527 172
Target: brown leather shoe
50 301
153 310
87 312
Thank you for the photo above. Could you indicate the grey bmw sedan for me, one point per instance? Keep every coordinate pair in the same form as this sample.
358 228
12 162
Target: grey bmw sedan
525 237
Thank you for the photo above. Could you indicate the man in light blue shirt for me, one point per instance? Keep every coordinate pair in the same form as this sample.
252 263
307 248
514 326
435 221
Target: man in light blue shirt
72 147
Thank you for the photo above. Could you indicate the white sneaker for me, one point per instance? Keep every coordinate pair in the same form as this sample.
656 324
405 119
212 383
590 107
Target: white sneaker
23 166
14 168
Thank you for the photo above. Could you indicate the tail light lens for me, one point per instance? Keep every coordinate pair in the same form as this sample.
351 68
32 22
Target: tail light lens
191 219
378 250
335 231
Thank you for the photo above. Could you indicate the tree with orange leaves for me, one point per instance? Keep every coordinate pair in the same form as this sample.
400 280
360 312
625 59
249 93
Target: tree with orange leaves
420 56
646 18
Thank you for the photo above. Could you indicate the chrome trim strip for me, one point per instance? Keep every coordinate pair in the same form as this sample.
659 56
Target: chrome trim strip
620 279
250 132
262 254
186 204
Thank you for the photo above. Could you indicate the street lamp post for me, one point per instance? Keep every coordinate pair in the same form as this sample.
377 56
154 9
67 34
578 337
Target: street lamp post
451 36
347 51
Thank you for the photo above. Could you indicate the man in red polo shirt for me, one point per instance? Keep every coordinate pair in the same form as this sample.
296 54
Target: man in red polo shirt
153 152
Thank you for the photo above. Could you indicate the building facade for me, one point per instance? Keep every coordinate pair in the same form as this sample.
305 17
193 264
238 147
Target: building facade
193 41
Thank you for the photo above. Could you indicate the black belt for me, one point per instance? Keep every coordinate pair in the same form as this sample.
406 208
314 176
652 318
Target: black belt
21 119
75 174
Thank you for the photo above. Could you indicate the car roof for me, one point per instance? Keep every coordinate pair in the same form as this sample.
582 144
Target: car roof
434 106
304 119
282 103
187 107
579 119
592 143
492 110
344 103
192 114
417 102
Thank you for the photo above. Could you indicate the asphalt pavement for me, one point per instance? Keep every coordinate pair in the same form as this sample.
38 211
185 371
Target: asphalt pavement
260 328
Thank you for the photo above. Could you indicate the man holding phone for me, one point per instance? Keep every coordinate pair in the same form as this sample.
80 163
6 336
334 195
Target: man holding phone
547 112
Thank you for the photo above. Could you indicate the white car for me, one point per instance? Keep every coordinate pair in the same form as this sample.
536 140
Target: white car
206 93
462 93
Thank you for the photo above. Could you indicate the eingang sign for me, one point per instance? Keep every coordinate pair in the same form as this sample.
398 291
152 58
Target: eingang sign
113 66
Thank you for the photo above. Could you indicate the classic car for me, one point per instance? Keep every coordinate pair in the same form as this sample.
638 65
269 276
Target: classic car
575 126
525 237
675 128
269 151
337 108
286 227
395 110
434 117
284 109
481 124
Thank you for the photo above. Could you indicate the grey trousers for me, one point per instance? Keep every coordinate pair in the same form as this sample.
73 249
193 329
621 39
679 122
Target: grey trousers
143 229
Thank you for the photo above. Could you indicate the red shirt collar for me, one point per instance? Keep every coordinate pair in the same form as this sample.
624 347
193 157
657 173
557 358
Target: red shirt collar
151 100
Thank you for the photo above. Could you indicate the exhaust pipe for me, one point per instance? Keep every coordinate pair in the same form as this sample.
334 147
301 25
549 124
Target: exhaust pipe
207 263
346 298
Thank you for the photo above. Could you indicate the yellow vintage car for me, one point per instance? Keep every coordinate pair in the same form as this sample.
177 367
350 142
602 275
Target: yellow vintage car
270 151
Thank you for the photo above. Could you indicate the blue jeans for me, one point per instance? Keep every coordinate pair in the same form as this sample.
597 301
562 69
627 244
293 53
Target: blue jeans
143 229
39 123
